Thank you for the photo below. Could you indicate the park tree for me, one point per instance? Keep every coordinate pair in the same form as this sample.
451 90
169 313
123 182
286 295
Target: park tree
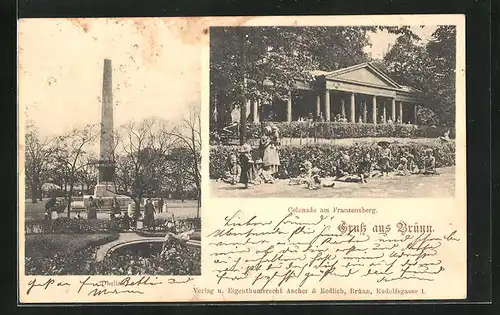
264 63
188 135
87 174
430 68
72 156
38 152
141 149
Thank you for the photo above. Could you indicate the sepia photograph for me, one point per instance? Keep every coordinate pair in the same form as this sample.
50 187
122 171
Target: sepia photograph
112 149
334 111
242 159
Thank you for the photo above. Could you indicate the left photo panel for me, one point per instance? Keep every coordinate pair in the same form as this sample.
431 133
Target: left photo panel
110 148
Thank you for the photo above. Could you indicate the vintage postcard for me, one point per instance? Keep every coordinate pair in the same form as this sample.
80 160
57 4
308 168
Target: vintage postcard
225 159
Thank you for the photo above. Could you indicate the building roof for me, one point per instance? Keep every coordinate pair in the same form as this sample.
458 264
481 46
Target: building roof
361 74
344 73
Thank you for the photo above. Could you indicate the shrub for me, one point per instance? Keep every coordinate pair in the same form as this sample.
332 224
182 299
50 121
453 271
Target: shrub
62 254
181 225
179 259
325 156
83 226
66 226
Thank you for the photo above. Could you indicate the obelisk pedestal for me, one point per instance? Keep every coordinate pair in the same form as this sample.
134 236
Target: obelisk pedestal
105 186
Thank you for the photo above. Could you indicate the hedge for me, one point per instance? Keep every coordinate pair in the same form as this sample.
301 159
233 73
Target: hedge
325 156
84 226
334 130
179 259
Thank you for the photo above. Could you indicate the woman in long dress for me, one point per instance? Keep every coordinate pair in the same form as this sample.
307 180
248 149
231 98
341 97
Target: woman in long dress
267 150
91 209
148 213
275 141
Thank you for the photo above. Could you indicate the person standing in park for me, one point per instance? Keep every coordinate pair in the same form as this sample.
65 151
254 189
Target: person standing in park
276 142
429 163
246 163
115 207
131 213
91 209
385 158
266 149
148 212
160 206
114 213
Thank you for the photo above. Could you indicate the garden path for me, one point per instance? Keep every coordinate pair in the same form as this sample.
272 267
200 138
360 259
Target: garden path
414 186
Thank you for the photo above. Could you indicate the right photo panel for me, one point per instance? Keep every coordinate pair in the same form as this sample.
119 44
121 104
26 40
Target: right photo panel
332 111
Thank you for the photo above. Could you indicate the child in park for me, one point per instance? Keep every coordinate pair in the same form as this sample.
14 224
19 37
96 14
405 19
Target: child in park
385 158
246 164
412 166
310 176
342 167
305 175
364 169
260 175
316 182
402 169
233 173
429 163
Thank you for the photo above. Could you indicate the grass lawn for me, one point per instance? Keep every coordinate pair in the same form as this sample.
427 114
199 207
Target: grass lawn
414 186
42 246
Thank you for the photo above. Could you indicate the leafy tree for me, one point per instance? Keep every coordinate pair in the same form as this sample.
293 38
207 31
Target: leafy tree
87 174
38 153
442 54
429 68
264 63
141 148
188 135
71 156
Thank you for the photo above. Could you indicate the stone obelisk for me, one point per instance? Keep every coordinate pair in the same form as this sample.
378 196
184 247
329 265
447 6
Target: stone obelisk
105 186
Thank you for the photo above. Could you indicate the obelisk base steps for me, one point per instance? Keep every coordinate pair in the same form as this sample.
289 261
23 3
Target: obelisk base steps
105 189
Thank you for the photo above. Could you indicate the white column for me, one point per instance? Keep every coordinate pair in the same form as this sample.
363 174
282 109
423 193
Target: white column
327 105
289 107
393 103
318 105
365 111
374 110
342 105
353 108
401 112
384 113
255 111
415 110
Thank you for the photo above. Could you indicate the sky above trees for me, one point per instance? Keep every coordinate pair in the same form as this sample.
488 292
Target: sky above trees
382 40
61 66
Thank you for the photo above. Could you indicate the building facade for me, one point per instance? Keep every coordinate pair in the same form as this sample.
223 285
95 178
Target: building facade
357 94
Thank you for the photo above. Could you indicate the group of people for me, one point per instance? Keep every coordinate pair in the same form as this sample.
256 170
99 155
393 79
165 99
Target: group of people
342 118
125 219
242 168
366 167
245 170
321 118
